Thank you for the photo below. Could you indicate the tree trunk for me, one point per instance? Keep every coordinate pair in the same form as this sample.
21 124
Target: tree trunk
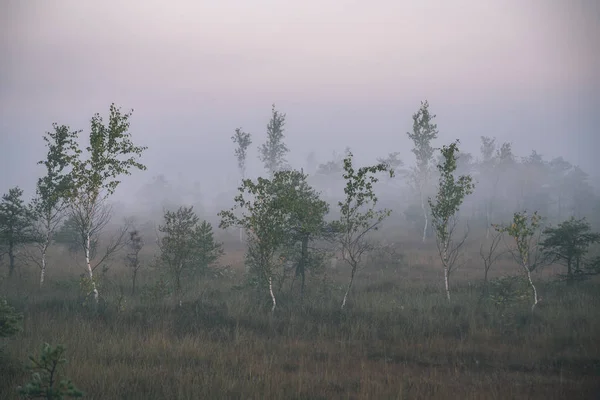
11 259
43 271
488 222
446 282
89 267
569 272
426 219
446 271
272 294
301 268
349 286
133 282
535 294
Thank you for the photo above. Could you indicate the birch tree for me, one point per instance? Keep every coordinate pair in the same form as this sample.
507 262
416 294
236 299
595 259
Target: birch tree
525 231
451 194
111 154
424 131
272 153
264 223
52 190
243 140
358 216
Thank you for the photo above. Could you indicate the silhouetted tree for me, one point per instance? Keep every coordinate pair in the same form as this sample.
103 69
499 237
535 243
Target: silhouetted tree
16 224
274 150
424 131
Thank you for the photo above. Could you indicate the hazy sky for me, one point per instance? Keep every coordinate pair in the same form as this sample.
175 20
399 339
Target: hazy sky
345 72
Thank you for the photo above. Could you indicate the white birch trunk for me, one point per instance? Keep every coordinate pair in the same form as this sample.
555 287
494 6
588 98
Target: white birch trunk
349 286
426 219
89 267
535 295
272 294
43 271
446 272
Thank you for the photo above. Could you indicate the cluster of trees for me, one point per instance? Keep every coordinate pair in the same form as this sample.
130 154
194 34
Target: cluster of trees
288 224
71 207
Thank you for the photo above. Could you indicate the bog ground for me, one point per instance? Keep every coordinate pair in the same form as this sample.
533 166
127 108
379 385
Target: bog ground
399 338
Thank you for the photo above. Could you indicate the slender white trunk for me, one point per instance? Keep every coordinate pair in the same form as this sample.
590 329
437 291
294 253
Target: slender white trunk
447 283
535 295
89 267
488 221
241 235
43 271
272 294
348 288
426 218
446 272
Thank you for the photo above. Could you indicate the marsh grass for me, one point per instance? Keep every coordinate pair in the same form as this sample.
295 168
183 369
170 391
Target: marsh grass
398 339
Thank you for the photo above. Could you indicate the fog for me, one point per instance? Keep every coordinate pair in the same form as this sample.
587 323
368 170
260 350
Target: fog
346 73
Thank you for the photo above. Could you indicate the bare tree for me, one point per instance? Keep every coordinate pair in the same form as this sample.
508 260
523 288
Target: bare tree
489 255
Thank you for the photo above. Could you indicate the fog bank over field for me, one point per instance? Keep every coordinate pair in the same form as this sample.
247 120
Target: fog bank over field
346 73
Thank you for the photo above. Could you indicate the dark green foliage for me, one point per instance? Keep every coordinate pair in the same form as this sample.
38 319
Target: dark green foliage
188 245
132 259
272 153
304 219
243 141
451 191
16 224
568 244
424 131
358 216
10 320
111 154
284 212
451 194
45 378
53 189
525 231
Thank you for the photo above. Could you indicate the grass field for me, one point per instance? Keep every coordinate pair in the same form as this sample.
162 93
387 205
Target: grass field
399 338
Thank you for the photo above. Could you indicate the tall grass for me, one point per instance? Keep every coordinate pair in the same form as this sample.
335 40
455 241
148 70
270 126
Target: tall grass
398 339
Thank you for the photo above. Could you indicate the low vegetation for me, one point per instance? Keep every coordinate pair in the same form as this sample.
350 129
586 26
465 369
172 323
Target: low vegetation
178 311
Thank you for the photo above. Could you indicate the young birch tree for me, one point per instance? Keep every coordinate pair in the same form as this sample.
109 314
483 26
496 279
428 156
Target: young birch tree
243 140
273 151
358 216
264 221
526 231
111 154
450 196
424 131
52 190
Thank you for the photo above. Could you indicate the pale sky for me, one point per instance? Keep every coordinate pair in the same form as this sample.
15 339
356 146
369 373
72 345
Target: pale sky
347 73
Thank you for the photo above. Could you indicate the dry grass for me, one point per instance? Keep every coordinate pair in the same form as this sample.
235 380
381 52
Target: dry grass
399 339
